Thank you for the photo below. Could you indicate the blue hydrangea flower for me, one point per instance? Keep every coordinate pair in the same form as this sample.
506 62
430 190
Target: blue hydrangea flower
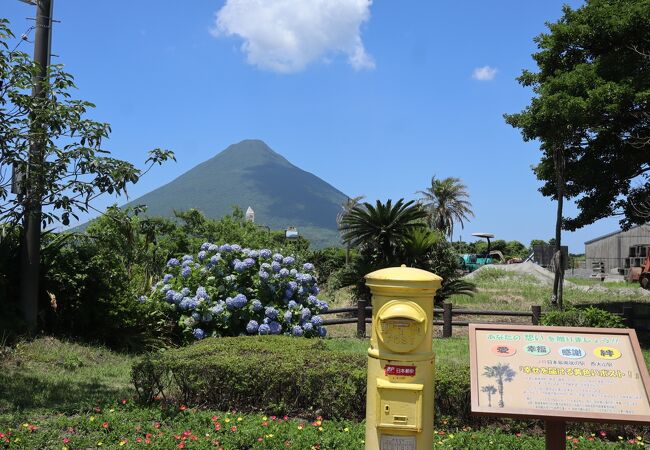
198 333
323 306
288 260
239 301
185 291
167 277
252 327
186 272
292 285
288 316
263 275
202 254
314 290
178 298
188 258
229 278
173 263
305 314
253 253
239 266
196 316
142 299
192 304
235 247
307 326
183 304
265 266
264 329
293 304
169 295
265 253
288 293
213 248
322 331
165 288
201 293
301 291
207 317
317 321
308 266
297 330
271 312
276 266
293 272
312 300
217 309
229 303
249 262
284 273
205 246
215 258
278 257
257 305
225 248
275 327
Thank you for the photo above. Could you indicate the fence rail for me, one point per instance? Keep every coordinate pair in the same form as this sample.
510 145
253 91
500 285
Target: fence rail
363 312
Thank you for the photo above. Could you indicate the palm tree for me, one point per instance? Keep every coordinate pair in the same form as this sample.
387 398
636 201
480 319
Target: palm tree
346 207
446 202
382 226
489 390
502 373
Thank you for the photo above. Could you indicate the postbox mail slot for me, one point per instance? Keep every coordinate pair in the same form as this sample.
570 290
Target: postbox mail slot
402 326
399 405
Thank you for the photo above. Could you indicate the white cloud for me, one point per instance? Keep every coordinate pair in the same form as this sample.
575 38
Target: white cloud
485 73
286 35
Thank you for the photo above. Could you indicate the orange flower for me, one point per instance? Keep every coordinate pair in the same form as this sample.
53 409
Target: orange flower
105 425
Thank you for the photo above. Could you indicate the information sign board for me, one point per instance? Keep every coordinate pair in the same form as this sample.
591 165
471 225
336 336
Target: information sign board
390 442
590 374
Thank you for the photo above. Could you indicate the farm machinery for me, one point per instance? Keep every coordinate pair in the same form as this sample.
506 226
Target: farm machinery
642 273
469 262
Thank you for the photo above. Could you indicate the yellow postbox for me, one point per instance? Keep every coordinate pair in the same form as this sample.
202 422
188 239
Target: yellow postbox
399 405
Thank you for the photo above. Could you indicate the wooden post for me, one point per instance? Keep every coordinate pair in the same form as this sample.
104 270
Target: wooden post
628 316
555 434
446 319
537 314
361 318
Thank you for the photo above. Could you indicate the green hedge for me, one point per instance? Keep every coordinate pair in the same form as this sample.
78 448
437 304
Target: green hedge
278 375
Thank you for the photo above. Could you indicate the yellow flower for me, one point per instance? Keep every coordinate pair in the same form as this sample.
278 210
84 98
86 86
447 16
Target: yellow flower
239 419
64 448
269 436
639 438
25 425
92 418
111 410
122 443
264 419
100 443
346 429
227 419
320 428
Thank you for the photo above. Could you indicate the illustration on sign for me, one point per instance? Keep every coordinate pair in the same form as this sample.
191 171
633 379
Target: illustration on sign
502 373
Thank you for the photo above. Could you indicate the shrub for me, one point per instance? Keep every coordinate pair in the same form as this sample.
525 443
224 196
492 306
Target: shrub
229 291
278 375
588 317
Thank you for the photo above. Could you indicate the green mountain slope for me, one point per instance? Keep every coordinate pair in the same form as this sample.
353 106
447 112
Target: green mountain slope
251 174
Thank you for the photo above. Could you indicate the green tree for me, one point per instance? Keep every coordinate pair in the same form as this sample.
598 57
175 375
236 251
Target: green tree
56 154
591 112
490 390
346 207
383 227
446 202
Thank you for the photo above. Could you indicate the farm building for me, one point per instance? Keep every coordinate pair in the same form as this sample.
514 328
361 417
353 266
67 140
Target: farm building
617 250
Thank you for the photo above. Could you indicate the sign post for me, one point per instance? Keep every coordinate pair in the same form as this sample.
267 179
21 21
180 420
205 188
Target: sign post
558 374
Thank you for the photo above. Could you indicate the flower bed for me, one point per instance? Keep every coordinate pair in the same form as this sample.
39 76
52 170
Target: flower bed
229 291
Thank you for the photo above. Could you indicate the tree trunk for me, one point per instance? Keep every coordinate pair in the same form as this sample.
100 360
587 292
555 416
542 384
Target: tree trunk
558 281
500 384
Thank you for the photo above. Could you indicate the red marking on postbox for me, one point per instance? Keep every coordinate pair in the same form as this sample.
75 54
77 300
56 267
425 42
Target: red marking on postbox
400 371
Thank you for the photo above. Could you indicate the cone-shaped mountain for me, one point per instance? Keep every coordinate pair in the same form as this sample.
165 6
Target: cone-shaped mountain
251 174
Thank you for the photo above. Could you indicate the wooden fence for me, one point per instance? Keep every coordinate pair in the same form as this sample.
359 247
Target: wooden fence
362 314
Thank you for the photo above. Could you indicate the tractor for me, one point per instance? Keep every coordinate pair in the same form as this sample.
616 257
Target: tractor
470 262
644 276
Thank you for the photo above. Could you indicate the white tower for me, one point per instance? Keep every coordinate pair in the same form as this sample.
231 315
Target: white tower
250 215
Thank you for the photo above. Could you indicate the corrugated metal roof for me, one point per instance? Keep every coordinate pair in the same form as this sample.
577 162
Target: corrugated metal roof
614 233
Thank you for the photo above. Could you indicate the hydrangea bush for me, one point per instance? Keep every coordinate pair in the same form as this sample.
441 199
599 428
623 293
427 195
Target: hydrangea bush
226 290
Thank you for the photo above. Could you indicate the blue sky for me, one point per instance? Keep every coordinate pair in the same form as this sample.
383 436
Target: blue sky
374 98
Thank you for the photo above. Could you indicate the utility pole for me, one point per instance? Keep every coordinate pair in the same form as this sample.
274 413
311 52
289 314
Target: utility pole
31 245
